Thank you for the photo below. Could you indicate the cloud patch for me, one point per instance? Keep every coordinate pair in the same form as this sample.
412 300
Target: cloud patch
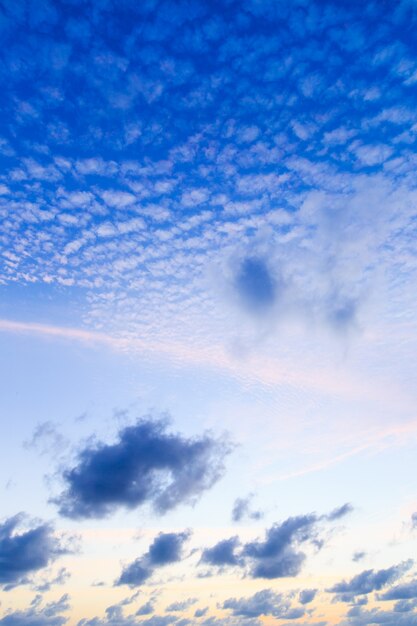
25 552
264 602
166 548
146 465
242 509
368 581
255 285
37 615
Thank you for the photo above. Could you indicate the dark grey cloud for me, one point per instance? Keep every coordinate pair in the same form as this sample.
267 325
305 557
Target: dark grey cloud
200 612
307 595
404 591
358 556
264 602
166 548
368 581
146 465
37 615
222 553
242 509
24 552
414 521
278 555
255 285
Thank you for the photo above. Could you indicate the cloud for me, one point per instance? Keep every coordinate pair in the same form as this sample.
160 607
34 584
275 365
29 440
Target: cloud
166 548
368 581
242 509
278 555
146 609
47 439
36 615
340 512
359 617
146 465
264 602
59 579
255 285
307 595
223 553
404 591
25 552
181 606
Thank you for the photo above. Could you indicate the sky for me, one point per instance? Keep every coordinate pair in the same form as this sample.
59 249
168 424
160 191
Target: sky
208 331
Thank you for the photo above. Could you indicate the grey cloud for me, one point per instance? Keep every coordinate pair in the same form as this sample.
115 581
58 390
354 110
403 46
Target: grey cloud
307 595
25 552
146 465
36 615
278 555
146 609
369 581
166 548
223 553
242 508
340 512
255 285
47 439
404 591
181 606
264 602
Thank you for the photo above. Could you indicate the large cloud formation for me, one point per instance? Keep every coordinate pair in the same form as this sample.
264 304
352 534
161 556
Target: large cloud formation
279 554
146 465
166 548
23 553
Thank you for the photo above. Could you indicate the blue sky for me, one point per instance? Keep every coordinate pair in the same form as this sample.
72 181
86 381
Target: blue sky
207 313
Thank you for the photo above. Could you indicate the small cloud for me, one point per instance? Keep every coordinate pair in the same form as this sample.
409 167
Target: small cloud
265 602
25 552
166 548
223 553
255 286
307 595
242 509
181 606
46 439
340 512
